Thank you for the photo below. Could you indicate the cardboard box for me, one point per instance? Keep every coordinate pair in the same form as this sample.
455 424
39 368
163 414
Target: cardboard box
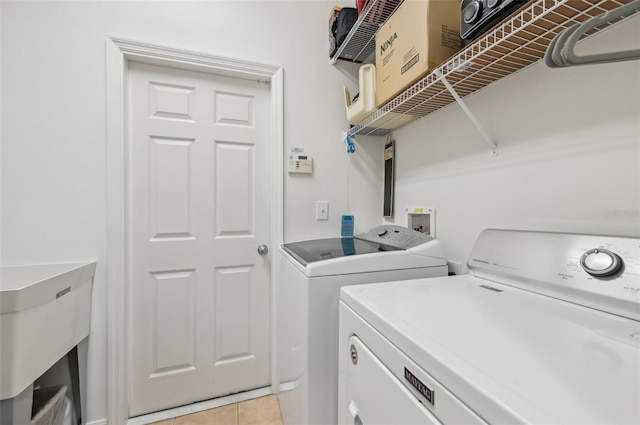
419 36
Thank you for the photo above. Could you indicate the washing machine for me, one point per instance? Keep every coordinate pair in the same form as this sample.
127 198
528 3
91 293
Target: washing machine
312 273
544 330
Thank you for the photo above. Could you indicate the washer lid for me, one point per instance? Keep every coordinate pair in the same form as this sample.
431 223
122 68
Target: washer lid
325 249
511 355
332 257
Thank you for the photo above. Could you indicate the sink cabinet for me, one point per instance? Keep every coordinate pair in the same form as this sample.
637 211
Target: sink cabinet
44 315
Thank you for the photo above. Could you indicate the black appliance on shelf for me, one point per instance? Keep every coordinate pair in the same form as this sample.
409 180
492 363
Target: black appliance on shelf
478 16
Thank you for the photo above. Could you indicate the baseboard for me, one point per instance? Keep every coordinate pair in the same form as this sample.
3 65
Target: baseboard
98 422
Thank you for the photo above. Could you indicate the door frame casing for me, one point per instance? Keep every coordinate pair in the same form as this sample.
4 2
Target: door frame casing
119 52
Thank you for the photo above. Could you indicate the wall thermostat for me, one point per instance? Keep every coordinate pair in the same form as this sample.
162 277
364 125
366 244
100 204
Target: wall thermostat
300 163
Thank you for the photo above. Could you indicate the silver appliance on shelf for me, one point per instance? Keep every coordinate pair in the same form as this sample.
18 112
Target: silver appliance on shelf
478 16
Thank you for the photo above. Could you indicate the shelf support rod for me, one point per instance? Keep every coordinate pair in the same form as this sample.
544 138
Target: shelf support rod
474 120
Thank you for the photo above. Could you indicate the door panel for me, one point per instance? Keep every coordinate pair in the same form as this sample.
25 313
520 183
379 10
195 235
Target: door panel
234 163
171 197
233 108
233 314
171 101
198 206
174 338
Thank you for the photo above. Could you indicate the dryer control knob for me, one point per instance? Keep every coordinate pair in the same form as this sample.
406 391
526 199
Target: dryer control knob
601 262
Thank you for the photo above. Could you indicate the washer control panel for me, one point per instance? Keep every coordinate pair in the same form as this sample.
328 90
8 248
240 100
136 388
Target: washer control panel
395 236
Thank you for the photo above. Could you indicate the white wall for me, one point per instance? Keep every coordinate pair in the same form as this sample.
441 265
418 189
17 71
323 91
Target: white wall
569 157
53 172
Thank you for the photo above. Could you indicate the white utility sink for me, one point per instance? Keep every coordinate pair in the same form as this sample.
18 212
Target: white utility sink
44 313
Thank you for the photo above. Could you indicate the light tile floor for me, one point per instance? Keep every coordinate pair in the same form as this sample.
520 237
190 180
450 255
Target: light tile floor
259 411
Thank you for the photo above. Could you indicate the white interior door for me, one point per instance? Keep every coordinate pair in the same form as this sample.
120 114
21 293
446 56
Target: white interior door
198 205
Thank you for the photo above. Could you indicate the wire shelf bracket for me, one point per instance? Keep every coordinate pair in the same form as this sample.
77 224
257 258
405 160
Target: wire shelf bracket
485 135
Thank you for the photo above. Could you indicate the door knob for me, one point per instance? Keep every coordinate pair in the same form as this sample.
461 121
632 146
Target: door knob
263 250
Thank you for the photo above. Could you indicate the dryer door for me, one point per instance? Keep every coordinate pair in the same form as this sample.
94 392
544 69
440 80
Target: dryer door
375 396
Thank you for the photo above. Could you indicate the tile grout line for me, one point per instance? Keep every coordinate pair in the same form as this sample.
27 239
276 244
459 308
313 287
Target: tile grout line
237 414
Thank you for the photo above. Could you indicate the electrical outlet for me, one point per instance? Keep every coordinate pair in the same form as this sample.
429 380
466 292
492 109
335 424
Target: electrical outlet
322 210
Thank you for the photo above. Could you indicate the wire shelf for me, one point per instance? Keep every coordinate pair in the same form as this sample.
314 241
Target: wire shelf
360 44
515 43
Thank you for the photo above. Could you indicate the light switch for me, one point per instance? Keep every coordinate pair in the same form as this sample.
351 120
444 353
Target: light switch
322 210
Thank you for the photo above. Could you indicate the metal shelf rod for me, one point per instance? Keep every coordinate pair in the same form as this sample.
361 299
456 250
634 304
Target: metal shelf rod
474 120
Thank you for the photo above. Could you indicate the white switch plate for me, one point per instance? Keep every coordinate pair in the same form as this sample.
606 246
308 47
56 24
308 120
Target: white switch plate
322 210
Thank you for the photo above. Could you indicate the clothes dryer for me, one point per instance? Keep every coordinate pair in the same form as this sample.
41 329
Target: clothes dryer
312 274
545 330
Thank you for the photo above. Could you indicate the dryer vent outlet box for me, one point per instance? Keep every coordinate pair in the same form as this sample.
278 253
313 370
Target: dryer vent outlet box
422 219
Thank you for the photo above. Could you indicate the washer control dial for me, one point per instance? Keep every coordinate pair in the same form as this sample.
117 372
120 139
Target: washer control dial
601 262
